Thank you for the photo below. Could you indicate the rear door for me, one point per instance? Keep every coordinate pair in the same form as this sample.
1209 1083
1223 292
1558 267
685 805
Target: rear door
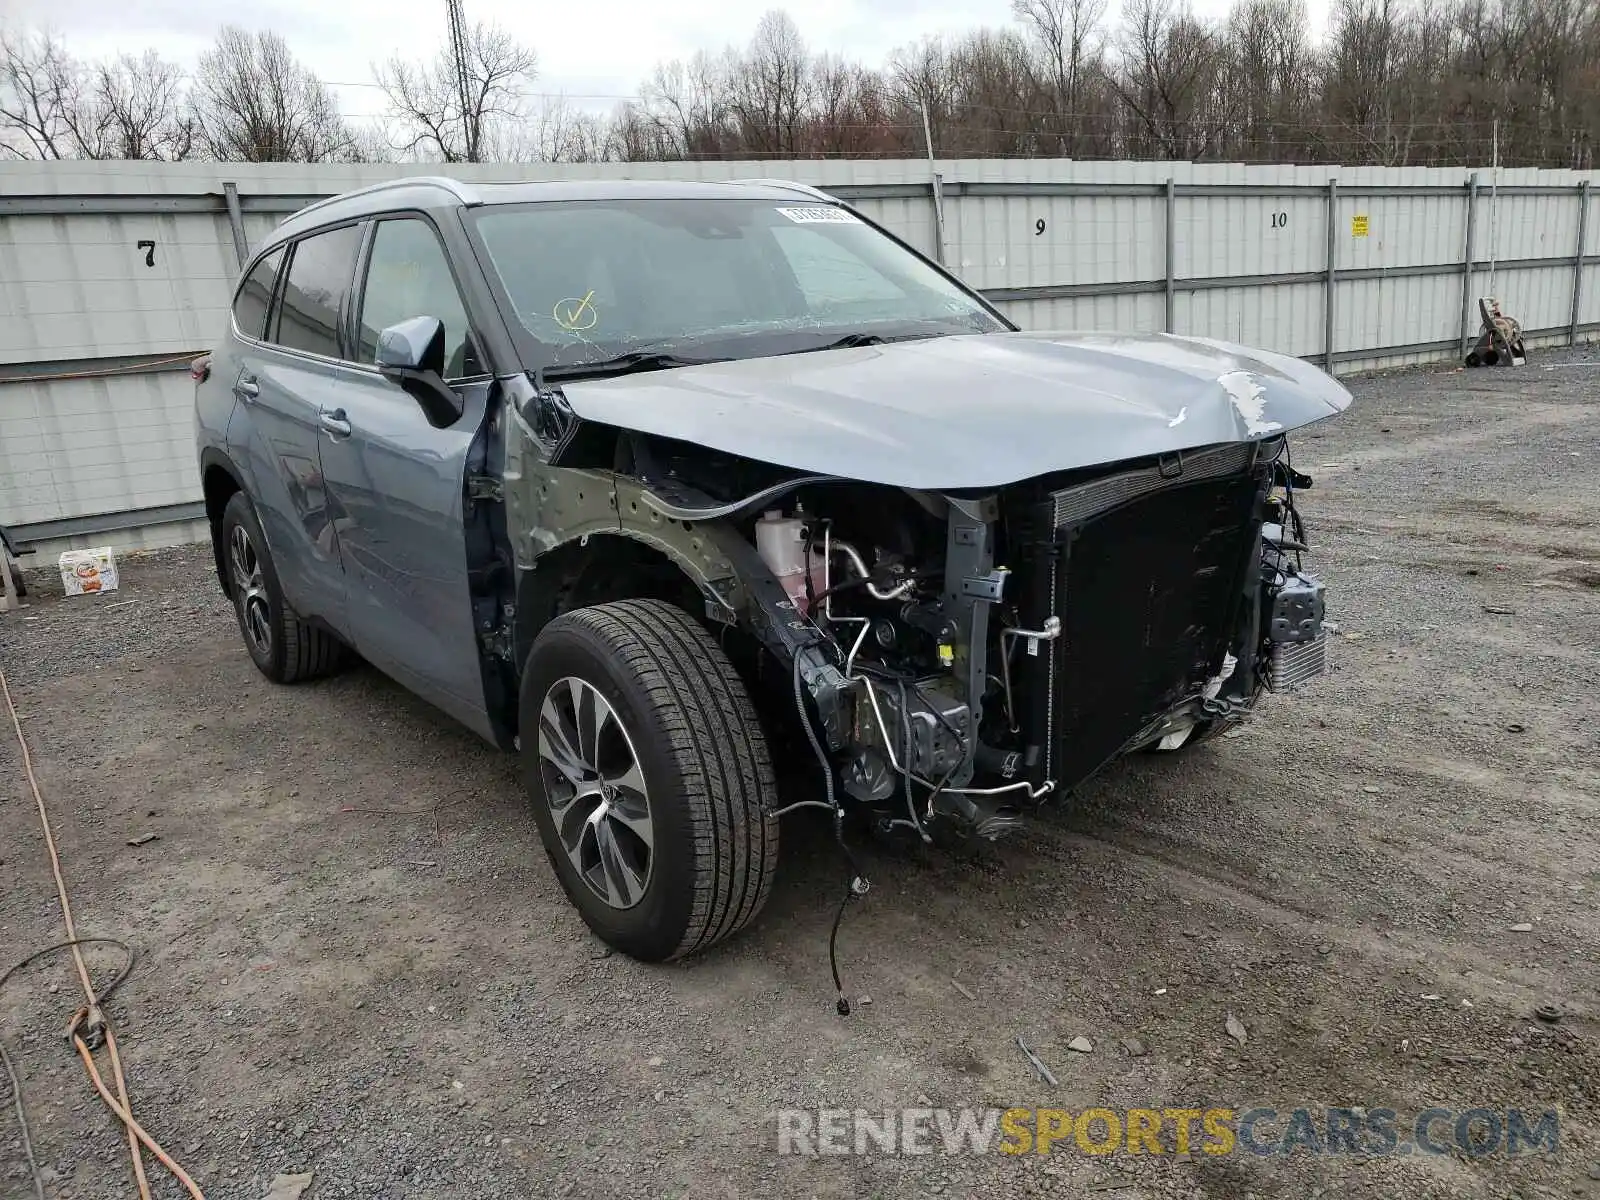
287 375
397 485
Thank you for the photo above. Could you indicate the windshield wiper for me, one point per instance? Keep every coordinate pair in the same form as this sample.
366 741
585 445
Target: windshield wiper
871 339
623 364
853 339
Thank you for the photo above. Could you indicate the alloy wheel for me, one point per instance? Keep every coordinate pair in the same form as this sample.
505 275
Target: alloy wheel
596 792
250 586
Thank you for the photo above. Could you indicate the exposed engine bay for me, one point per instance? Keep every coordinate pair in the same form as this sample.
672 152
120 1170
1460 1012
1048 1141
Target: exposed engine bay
997 650
960 657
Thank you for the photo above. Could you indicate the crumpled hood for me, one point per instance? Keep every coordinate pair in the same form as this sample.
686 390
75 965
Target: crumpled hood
971 411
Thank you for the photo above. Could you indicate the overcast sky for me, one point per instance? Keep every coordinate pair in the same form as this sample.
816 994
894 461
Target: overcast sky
593 50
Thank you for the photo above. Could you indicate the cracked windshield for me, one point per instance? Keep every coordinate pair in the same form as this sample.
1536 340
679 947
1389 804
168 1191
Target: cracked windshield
699 280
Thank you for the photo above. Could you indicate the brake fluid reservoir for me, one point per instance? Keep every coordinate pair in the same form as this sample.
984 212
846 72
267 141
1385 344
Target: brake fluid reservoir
781 542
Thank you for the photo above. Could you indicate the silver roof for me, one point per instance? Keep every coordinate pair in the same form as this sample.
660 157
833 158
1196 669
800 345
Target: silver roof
438 191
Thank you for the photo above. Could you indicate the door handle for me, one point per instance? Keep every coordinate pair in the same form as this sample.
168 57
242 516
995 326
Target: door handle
246 388
333 420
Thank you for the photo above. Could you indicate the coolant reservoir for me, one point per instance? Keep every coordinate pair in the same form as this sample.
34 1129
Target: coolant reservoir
781 542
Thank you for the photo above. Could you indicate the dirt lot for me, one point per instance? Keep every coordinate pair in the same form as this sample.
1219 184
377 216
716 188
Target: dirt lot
355 960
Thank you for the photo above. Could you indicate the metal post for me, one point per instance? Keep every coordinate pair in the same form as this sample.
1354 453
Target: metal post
1577 262
1494 203
935 189
1172 252
1333 266
1467 326
241 246
938 218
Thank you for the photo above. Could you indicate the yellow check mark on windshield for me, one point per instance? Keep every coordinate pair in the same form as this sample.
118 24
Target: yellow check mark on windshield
576 314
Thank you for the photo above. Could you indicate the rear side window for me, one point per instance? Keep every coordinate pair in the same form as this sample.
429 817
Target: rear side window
314 294
255 295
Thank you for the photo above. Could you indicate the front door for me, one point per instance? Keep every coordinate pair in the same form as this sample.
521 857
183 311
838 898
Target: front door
396 485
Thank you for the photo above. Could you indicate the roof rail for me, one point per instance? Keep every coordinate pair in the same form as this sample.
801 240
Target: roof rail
805 189
454 186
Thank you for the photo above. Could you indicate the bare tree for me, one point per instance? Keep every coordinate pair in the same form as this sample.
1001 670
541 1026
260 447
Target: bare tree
426 99
1363 71
371 141
254 102
634 135
578 137
997 104
769 86
850 109
922 80
135 109
1071 40
556 131
41 89
1395 81
1272 55
1427 82
1174 80
687 106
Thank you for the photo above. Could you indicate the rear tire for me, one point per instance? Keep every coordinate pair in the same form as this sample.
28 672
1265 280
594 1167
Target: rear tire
649 778
284 648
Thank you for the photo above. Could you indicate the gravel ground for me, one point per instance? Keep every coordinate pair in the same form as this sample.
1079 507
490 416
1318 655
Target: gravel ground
356 962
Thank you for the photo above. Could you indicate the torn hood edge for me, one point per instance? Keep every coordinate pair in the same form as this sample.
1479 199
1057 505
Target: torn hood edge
971 411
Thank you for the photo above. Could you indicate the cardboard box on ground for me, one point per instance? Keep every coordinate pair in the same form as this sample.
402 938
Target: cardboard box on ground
89 572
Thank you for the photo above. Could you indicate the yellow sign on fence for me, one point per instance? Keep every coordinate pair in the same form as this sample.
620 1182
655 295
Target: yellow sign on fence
1358 225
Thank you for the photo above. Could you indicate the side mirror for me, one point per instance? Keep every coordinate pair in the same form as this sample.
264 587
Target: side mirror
412 354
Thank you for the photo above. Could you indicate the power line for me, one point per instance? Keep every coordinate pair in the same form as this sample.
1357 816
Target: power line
347 83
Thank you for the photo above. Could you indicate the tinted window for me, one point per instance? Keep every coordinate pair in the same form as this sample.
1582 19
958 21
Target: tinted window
319 276
409 276
255 294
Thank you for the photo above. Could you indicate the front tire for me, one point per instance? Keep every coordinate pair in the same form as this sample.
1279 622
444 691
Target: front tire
284 648
649 778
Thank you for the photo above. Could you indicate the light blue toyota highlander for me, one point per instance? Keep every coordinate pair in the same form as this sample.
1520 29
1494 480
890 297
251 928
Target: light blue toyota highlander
650 482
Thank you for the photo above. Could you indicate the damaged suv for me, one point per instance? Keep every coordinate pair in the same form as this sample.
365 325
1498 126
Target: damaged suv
637 478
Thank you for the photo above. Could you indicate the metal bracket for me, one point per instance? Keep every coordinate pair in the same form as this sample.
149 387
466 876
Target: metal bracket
484 487
990 587
972 585
498 641
719 597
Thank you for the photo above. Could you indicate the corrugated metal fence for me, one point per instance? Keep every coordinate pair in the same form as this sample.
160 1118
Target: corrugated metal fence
113 275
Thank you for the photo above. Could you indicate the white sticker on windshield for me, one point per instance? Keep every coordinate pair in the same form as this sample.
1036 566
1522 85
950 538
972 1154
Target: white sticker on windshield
817 214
